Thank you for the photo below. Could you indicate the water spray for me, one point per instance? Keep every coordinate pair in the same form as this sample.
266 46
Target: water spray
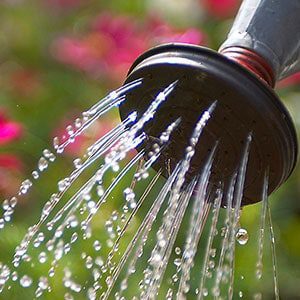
215 129
262 47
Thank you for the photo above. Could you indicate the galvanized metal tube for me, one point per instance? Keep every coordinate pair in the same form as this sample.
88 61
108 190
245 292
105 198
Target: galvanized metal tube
270 28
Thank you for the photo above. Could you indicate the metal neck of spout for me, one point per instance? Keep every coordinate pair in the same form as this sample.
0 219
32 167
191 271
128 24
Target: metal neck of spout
251 61
271 30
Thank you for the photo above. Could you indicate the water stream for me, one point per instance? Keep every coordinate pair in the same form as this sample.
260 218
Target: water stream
158 259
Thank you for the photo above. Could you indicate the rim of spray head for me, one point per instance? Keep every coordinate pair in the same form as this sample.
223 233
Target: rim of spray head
245 104
241 78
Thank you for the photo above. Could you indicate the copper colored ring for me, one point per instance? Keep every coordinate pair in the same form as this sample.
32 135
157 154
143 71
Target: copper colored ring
252 62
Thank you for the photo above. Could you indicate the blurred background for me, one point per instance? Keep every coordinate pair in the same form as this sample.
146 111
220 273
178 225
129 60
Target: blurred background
58 57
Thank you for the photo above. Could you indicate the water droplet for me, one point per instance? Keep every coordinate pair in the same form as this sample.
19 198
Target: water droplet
177 262
43 283
91 293
97 245
109 226
5 204
70 130
14 276
211 264
51 272
85 116
100 190
63 184
47 153
92 207
74 237
164 137
205 292
132 204
145 175
25 281
52 157
42 164
77 163
55 142
177 250
35 174
213 252
99 261
242 236
72 221
89 262
75 287
68 296
108 281
109 243
42 257
115 167
129 194
114 215
38 292
25 186
78 123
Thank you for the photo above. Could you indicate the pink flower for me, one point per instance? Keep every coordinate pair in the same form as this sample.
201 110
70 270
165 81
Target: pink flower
289 81
114 42
10 168
75 53
190 36
221 8
11 162
9 130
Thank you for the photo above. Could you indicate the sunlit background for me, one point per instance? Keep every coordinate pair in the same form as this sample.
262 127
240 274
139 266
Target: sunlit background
57 58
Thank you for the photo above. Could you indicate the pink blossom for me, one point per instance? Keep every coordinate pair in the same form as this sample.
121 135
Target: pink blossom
114 42
11 162
10 168
76 53
190 36
221 8
9 130
289 81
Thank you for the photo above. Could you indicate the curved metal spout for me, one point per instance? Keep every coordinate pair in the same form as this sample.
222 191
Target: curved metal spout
271 29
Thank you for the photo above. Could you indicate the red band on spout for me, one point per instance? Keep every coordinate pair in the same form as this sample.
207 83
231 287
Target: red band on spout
252 62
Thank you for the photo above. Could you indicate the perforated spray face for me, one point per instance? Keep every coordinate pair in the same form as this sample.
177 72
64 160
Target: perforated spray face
245 104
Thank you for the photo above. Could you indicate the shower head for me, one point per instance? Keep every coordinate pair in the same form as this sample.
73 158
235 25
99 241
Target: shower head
245 104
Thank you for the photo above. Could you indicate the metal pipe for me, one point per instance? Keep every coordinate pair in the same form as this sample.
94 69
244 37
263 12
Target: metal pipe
270 29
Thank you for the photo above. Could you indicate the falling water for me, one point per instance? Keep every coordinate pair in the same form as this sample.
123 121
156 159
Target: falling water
127 265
